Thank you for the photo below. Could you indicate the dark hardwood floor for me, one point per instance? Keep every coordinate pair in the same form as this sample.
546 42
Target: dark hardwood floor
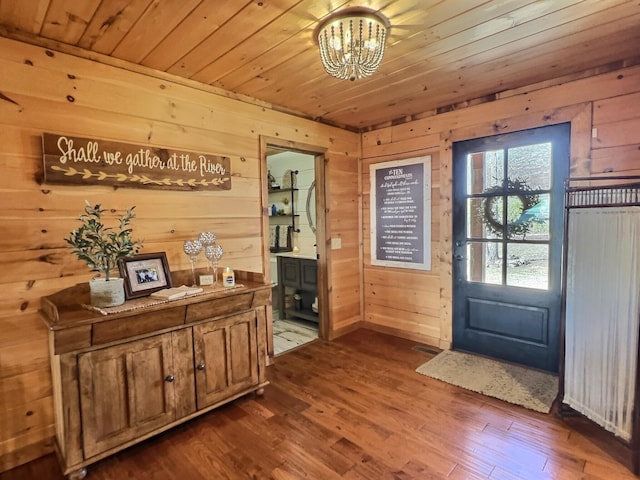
355 409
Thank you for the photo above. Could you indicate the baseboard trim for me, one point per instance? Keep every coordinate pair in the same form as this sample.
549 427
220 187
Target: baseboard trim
416 337
339 332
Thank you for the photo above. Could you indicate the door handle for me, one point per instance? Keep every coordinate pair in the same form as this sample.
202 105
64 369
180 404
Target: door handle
200 366
170 378
459 257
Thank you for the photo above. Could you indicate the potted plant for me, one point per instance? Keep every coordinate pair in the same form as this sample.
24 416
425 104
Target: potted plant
101 247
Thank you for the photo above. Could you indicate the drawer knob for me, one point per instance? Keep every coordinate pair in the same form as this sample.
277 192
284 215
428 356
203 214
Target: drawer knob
169 378
200 366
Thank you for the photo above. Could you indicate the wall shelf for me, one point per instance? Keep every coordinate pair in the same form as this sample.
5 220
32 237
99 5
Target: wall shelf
289 216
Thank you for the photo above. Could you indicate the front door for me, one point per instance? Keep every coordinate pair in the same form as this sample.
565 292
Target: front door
507 254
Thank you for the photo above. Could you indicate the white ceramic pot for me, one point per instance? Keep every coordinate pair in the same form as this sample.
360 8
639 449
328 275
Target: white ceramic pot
106 294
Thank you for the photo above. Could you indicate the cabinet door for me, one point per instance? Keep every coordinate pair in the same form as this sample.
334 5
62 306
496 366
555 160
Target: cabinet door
226 356
308 274
125 391
289 271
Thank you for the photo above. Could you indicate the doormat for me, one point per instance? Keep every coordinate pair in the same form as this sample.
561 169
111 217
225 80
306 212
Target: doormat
522 386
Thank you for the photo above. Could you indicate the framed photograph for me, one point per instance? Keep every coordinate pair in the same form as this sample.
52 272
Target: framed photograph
144 274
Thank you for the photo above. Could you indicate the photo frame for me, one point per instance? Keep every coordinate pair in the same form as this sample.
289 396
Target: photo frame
144 274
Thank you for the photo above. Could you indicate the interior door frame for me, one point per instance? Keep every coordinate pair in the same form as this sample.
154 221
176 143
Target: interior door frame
324 253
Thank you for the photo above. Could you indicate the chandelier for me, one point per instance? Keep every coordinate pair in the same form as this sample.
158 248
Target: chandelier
352 42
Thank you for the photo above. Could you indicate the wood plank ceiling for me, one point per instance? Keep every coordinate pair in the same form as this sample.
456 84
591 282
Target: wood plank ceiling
439 53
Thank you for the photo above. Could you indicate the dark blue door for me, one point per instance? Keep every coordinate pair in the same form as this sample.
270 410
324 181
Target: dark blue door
508 235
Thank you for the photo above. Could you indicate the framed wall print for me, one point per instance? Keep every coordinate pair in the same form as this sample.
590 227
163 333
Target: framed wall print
400 213
144 274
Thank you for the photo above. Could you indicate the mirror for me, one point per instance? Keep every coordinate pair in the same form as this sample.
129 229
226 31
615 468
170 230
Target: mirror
311 206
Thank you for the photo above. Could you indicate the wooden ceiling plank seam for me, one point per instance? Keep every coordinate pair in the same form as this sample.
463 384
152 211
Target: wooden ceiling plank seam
286 80
229 35
399 111
372 115
244 108
446 54
42 51
424 122
345 91
441 22
488 77
539 27
109 25
409 16
268 60
599 70
488 44
455 37
451 9
66 20
606 85
191 32
272 35
25 16
204 115
462 64
160 16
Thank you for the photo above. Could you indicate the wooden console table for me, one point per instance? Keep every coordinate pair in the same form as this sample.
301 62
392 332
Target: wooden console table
124 377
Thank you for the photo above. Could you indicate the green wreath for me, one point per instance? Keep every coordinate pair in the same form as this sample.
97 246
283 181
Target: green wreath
519 226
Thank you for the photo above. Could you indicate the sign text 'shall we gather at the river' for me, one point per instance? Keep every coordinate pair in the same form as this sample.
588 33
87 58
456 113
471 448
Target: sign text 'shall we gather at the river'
84 161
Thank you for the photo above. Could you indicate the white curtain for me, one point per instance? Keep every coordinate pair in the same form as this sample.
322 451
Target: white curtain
602 315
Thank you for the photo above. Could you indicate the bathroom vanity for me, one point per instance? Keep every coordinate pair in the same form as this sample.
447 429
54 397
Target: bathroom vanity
298 272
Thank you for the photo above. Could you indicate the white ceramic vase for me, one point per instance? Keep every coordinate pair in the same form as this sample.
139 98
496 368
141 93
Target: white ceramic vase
106 294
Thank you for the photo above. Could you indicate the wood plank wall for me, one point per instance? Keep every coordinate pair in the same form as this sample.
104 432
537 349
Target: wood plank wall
604 111
47 91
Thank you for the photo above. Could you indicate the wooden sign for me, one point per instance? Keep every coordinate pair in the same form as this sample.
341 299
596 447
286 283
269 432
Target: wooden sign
85 161
401 213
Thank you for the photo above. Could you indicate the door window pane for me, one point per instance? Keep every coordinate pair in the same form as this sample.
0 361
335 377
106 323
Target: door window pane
528 265
518 223
477 226
484 170
484 262
531 164
538 218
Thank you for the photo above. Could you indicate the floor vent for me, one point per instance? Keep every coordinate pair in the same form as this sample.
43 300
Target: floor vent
422 348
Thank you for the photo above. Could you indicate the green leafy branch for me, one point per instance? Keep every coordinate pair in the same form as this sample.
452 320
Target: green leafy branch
99 246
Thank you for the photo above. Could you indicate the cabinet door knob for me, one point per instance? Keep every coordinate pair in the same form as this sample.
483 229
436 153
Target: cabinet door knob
169 378
200 366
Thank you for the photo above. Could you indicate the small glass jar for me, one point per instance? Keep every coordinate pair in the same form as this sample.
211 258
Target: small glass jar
228 277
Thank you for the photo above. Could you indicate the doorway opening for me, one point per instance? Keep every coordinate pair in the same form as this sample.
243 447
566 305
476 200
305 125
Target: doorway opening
293 237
